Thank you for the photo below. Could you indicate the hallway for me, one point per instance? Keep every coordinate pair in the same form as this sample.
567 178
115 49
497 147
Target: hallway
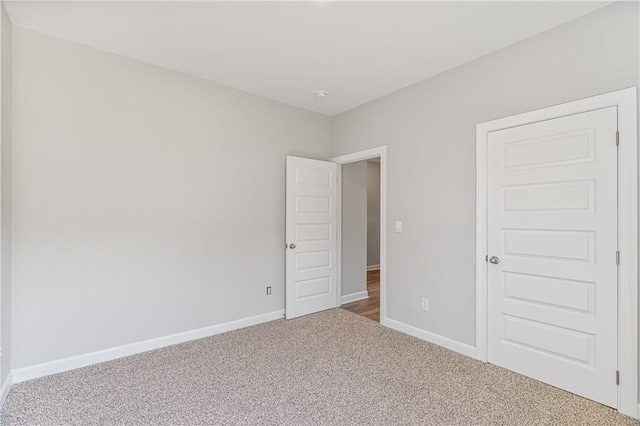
370 307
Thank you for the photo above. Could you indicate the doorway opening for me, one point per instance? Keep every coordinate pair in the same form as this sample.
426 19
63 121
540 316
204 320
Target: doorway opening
360 243
313 234
361 277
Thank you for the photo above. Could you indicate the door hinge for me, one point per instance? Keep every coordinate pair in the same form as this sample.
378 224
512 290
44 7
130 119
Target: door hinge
618 257
617 377
617 138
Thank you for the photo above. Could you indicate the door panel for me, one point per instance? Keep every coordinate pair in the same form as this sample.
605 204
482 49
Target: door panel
311 220
552 207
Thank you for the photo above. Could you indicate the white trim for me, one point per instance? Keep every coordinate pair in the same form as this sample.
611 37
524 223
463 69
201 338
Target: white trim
339 235
6 387
367 154
625 100
71 363
628 246
373 267
354 297
434 338
379 152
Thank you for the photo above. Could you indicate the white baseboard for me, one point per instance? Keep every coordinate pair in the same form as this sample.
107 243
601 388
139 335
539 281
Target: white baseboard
353 297
71 363
6 386
436 339
373 267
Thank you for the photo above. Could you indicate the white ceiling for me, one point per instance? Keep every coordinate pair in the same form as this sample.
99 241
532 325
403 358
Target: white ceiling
286 51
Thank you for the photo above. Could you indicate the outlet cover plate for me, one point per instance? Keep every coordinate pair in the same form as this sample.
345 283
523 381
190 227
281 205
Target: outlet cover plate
425 303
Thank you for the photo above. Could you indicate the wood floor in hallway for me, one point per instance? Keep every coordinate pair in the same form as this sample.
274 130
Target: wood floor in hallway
369 307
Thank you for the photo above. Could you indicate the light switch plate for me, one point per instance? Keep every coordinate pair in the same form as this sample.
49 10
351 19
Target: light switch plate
398 226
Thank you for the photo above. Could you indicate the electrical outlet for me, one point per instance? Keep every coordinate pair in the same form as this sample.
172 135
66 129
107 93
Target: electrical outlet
268 290
425 304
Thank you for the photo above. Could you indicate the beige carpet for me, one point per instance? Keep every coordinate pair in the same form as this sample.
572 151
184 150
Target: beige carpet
331 368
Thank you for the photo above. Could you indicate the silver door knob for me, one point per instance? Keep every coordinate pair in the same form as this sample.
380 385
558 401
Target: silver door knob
495 260
292 246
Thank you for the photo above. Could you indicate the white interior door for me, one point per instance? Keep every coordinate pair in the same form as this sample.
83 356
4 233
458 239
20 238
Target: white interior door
552 213
311 220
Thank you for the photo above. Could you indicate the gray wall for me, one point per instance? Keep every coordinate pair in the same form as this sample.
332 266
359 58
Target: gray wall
145 202
373 213
5 187
429 129
354 227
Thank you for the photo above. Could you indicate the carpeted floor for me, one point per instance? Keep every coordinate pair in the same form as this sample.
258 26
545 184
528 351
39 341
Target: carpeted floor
331 368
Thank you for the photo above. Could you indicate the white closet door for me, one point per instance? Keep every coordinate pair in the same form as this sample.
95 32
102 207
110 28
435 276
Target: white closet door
553 243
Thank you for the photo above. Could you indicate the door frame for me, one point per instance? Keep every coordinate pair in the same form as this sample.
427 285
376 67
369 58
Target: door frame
625 101
378 152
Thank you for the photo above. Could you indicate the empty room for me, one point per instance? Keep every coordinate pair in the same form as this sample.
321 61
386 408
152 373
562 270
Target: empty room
319 212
